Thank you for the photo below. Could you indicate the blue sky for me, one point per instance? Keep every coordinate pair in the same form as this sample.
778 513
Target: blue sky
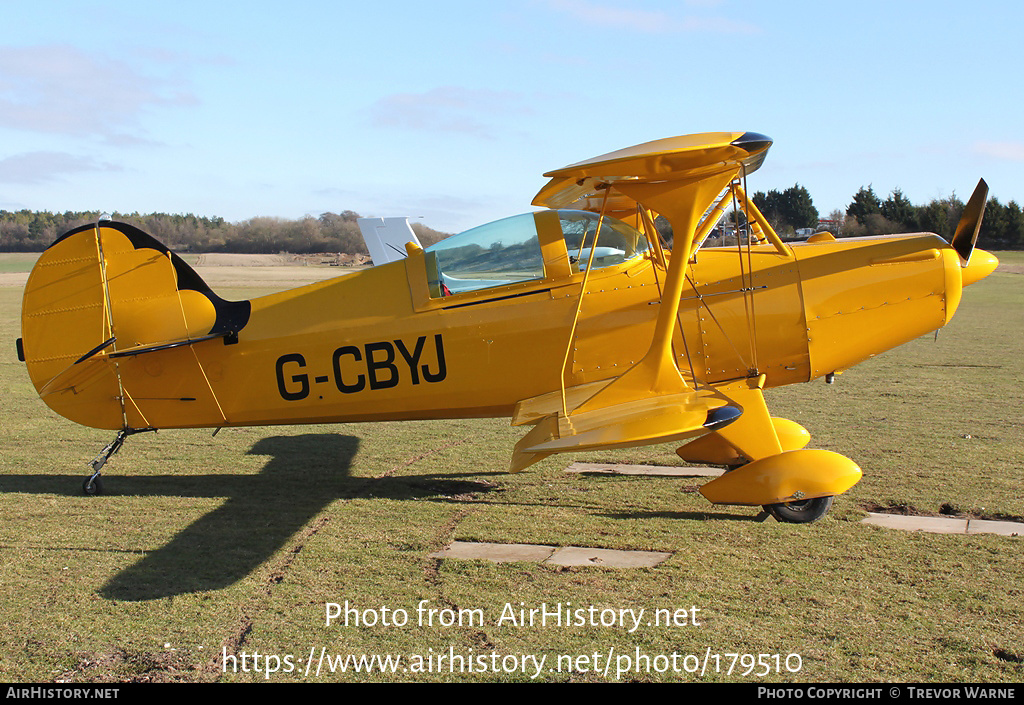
451 111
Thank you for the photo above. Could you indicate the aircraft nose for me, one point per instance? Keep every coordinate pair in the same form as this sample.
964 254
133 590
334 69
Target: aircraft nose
981 265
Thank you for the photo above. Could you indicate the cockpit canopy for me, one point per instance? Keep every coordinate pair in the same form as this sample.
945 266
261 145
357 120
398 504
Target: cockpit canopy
509 250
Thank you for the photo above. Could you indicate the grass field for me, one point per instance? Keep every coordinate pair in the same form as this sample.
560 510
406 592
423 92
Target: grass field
232 545
17 261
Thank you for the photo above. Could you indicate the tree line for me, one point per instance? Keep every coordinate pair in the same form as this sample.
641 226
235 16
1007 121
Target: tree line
868 214
788 211
34 231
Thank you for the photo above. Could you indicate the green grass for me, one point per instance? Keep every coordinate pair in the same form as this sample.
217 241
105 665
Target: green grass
1010 256
237 541
17 261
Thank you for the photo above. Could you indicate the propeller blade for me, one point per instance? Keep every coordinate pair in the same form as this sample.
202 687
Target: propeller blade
970 223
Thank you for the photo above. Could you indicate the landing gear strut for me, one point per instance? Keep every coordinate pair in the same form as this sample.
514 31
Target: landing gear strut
93 485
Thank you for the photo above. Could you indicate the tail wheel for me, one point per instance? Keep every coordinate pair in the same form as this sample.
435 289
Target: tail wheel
92 486
802 511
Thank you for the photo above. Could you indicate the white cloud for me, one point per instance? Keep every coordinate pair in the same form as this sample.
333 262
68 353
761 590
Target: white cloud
64 90
1009 151
42 167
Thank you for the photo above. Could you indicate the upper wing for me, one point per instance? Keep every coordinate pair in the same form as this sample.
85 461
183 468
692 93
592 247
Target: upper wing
666 160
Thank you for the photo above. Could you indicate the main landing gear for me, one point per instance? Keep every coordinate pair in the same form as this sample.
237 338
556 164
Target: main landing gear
93 485
801 511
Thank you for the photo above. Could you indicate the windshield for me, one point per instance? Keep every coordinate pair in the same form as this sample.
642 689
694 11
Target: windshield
616 243
503 252
508 251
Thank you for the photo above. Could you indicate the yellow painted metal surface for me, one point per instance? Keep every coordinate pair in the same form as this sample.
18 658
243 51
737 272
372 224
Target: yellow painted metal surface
864 296
795 475
713 449
97 287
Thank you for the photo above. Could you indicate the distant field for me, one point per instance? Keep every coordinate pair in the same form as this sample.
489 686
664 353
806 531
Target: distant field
17 261
233 544
1011 261
218 270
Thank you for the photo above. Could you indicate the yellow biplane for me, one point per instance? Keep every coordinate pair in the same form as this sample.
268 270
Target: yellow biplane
575 320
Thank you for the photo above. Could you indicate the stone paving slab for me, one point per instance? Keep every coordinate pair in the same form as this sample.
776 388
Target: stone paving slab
987 526
945 525
933 525
496 552
606 557
610 558
566 555
660 470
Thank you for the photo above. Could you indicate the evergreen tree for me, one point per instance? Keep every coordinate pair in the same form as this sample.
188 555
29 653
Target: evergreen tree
865 203
899 211
799 210
788 210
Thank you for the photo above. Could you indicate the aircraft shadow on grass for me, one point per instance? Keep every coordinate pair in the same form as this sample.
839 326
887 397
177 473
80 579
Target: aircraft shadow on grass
262 512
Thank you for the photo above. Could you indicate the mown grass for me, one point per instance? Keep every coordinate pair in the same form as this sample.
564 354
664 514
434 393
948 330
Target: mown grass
1010 256
18 261
236 542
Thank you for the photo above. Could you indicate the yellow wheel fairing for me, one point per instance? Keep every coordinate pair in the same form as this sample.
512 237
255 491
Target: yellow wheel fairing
795 475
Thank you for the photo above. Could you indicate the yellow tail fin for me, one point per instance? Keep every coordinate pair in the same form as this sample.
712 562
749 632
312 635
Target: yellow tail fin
109 320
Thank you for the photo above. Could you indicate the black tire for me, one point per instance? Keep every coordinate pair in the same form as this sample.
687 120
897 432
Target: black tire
802 511
92 486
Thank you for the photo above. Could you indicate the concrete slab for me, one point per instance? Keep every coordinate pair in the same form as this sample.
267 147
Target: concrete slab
567 555
496 552
987 526
945 525
934 525
654 470
606 558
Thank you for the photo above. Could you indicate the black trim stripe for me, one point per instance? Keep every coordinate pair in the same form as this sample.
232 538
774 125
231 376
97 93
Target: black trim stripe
497 298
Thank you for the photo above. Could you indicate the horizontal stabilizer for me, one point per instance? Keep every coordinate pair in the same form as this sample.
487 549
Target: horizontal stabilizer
85 367
79 377
157 347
